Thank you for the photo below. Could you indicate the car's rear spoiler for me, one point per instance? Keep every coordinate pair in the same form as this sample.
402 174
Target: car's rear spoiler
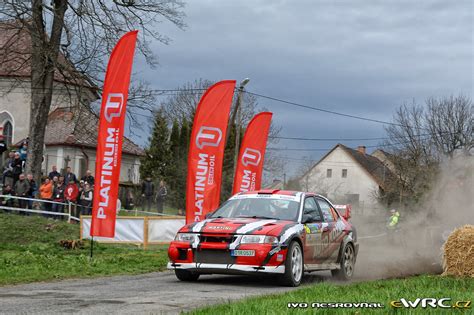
345 210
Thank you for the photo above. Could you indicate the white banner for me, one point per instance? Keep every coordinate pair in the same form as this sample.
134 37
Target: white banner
132 229
163 230
126 230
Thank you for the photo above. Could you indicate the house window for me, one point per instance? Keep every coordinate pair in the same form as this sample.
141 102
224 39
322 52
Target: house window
344 172
8 133
329 173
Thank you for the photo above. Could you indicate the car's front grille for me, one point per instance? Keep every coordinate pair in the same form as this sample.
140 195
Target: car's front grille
222 239
213 256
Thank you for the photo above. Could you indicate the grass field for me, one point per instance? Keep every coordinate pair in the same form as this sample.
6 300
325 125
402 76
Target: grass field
30 251
381 291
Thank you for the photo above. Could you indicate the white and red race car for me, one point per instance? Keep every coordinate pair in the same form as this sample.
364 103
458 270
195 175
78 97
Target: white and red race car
284 233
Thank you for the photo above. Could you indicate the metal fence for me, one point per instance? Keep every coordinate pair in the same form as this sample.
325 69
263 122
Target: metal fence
70 207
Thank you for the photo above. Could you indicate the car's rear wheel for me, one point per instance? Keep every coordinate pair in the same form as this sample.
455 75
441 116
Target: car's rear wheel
185 275
347 264
293 266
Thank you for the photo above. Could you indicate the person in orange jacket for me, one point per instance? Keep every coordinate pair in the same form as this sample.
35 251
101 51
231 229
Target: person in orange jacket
46 193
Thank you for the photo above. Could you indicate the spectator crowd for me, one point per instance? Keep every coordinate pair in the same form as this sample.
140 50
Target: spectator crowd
19 189
16 183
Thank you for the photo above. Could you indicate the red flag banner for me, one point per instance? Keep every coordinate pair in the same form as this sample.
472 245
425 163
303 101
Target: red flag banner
109 141
206 150
248 175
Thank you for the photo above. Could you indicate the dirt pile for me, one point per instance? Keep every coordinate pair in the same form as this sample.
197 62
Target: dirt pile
458 259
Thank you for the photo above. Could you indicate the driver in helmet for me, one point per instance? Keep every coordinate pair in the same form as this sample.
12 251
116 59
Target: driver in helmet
278 208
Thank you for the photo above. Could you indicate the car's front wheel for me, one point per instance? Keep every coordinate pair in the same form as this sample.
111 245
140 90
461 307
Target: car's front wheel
347 264
293 266
185 275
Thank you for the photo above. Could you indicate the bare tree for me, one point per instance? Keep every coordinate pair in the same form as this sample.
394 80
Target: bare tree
70 42
183 102
420 138
450 121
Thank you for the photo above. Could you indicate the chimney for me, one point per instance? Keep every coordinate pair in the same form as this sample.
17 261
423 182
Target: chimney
361 149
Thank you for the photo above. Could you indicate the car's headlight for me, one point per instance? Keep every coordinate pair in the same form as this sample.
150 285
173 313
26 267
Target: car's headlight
186 237
258 239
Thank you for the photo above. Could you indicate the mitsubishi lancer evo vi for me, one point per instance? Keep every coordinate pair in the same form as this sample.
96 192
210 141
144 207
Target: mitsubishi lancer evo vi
283 233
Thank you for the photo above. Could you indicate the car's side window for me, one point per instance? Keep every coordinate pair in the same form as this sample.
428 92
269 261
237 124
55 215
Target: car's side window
311 208
326 210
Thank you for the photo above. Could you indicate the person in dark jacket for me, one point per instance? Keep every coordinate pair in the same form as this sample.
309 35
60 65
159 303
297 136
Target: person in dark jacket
88 178
85 200
17 167
32 191
22 188
161 196
58 195
7 201
70 176
53 173
8 170
129 200
148 191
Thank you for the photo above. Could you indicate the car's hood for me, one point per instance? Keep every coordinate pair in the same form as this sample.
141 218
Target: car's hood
239 226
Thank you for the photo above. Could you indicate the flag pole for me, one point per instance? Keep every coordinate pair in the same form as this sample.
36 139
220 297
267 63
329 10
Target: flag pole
92 246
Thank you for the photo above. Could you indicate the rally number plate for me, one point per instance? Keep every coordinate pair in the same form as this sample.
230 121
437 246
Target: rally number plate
242 252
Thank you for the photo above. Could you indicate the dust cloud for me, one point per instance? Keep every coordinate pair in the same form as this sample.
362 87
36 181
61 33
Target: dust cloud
417 247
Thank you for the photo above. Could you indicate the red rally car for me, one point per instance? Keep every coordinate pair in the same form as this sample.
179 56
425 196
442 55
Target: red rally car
284 233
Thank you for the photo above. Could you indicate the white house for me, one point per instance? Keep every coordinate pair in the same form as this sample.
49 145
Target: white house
348 176
71 133
71 140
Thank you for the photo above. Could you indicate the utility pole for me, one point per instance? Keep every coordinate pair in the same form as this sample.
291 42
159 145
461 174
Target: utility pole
237 113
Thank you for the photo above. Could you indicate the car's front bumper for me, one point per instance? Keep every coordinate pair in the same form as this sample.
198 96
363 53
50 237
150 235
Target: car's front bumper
226 268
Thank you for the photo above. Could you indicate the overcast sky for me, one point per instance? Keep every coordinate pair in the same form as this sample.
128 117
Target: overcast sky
358 57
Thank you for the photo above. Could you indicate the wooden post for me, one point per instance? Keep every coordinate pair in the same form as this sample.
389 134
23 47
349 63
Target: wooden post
80 227
69 210
145 233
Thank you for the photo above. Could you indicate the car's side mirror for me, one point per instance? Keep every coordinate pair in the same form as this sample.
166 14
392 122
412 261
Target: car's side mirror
306 218
347 214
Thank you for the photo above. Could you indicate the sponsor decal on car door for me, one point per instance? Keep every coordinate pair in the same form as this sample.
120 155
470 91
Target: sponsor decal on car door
331 236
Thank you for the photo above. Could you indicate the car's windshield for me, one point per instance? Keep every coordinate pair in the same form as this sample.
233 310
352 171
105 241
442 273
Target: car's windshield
267 208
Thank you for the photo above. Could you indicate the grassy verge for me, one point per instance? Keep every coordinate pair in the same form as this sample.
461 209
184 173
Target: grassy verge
381 291
152 212
30 251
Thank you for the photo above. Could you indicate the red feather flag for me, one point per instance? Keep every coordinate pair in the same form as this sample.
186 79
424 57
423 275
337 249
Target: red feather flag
109 142
206 151
248 174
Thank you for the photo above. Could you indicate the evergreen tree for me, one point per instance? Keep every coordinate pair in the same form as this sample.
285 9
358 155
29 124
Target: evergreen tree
158 157
228 166
184 135
174 140
172 169
182 166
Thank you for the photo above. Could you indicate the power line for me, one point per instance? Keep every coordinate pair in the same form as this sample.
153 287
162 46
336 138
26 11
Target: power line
200 90
321 109
326 139
296 149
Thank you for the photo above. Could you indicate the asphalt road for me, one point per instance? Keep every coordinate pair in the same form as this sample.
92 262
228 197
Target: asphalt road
149 293
156 293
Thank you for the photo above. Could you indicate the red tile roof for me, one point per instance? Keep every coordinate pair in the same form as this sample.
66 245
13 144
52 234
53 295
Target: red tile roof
15 57
79 127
